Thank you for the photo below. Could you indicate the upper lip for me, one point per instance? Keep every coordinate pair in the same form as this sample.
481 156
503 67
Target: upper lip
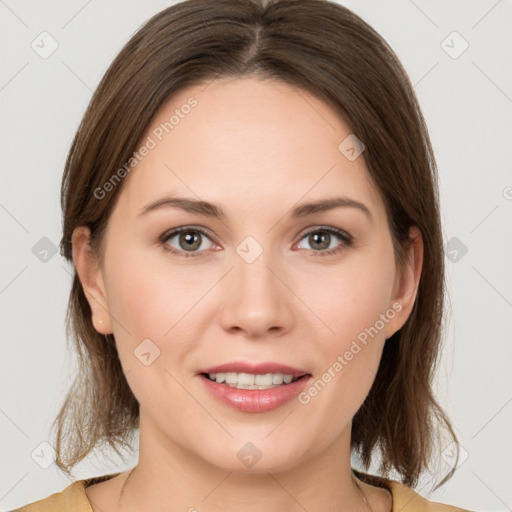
256 369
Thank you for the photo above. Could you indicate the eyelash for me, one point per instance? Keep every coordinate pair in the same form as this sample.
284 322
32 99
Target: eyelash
342 235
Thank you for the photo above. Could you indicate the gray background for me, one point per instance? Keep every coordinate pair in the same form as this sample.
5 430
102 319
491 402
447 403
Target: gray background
466 97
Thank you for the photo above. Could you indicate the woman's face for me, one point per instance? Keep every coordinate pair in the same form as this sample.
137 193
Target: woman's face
316 290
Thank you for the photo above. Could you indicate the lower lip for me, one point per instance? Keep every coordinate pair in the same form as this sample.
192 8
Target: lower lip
255 400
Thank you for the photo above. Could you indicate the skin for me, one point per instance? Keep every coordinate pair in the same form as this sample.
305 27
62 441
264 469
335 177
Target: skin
256 148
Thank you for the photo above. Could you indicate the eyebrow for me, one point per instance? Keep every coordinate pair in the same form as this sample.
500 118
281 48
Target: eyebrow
210 210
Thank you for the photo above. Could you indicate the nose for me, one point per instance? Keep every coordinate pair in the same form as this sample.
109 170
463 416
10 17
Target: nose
256 300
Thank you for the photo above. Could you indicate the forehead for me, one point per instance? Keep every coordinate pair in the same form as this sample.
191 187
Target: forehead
240 141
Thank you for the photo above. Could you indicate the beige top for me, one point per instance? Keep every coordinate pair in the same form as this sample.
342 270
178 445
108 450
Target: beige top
74 499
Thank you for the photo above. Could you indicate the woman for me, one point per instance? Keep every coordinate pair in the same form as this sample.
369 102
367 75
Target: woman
251 208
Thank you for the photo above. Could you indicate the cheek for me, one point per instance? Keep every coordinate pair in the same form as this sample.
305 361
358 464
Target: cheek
354 297
149 296
146 301
153 299
356 308
136 302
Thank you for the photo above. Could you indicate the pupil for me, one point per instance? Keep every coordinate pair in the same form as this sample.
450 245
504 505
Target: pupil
191 240
316 238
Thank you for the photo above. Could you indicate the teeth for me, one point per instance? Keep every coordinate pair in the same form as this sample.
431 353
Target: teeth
250 381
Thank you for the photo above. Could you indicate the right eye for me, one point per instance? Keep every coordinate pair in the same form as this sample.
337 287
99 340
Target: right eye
189 241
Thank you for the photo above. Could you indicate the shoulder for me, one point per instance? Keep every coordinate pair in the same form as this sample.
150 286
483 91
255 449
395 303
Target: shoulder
406 499
72 499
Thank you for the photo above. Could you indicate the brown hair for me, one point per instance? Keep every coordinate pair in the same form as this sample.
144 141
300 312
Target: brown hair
316 46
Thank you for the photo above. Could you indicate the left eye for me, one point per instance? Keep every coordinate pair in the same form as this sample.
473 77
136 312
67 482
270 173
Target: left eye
320 239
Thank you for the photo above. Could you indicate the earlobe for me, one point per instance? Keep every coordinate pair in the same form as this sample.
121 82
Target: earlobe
407 282
91 276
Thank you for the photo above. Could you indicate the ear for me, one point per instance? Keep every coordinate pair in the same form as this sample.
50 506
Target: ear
91 276
406 283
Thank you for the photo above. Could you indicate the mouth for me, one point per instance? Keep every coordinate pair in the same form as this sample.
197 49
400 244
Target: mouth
254 388
245 375
253 381
254 392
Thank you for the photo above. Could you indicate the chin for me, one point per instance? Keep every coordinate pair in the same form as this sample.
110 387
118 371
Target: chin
253 457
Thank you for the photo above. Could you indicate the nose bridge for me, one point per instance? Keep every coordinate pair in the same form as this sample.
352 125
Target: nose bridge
252 272
260 278
257 300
